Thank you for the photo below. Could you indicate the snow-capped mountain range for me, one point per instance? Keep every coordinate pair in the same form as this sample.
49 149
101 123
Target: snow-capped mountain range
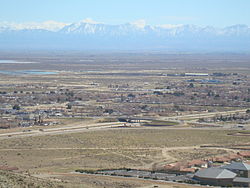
47 25
92 35
171 30
89 27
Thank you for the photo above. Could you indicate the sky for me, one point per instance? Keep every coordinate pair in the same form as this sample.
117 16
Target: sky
218 13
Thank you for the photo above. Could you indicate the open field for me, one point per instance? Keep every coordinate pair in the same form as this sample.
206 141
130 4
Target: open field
108 148
58 155
44 155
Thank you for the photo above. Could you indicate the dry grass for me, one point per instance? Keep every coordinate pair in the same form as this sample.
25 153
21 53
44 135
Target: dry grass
8 179
108 149
185 155
127 138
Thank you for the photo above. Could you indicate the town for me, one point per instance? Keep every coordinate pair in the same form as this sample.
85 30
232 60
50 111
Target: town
156 95
149 117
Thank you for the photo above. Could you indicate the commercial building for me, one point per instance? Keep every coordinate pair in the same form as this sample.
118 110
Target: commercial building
215 177
234 174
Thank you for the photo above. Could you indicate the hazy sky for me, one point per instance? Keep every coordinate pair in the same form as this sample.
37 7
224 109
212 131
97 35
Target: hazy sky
154 12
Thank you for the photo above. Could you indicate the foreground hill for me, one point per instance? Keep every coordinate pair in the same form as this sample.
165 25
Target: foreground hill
9 179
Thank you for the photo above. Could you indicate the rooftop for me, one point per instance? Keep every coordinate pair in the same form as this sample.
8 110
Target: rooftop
237 166
242 180
215 173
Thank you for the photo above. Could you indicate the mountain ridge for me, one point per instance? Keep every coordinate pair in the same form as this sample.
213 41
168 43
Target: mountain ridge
85 35
87 28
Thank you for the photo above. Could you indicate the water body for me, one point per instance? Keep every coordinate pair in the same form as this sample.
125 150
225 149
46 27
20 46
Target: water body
29 72
14 61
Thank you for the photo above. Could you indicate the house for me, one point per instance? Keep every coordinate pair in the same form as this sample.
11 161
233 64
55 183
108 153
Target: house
215 176
245 154
186 167
240 168
176 167
187 170
29 117
222 159
198 164
235 157
196 74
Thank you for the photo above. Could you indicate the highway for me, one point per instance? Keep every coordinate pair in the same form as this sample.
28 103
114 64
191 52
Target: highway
61 130
102 126
202 115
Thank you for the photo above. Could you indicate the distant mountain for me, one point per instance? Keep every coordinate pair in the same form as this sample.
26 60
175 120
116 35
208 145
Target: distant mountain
48 25
88 36
131 29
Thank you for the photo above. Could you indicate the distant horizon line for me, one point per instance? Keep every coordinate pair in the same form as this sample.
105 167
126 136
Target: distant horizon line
119 51
140 22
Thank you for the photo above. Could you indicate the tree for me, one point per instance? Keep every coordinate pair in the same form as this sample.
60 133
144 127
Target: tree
69 106
130 95
191 85
16 107
110 111
216 96
158 93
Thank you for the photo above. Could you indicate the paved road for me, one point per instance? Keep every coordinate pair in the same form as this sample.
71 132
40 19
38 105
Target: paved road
204 115
61 130
100 126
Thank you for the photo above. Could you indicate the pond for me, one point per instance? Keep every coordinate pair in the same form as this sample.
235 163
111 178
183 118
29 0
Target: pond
31 72
6 61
